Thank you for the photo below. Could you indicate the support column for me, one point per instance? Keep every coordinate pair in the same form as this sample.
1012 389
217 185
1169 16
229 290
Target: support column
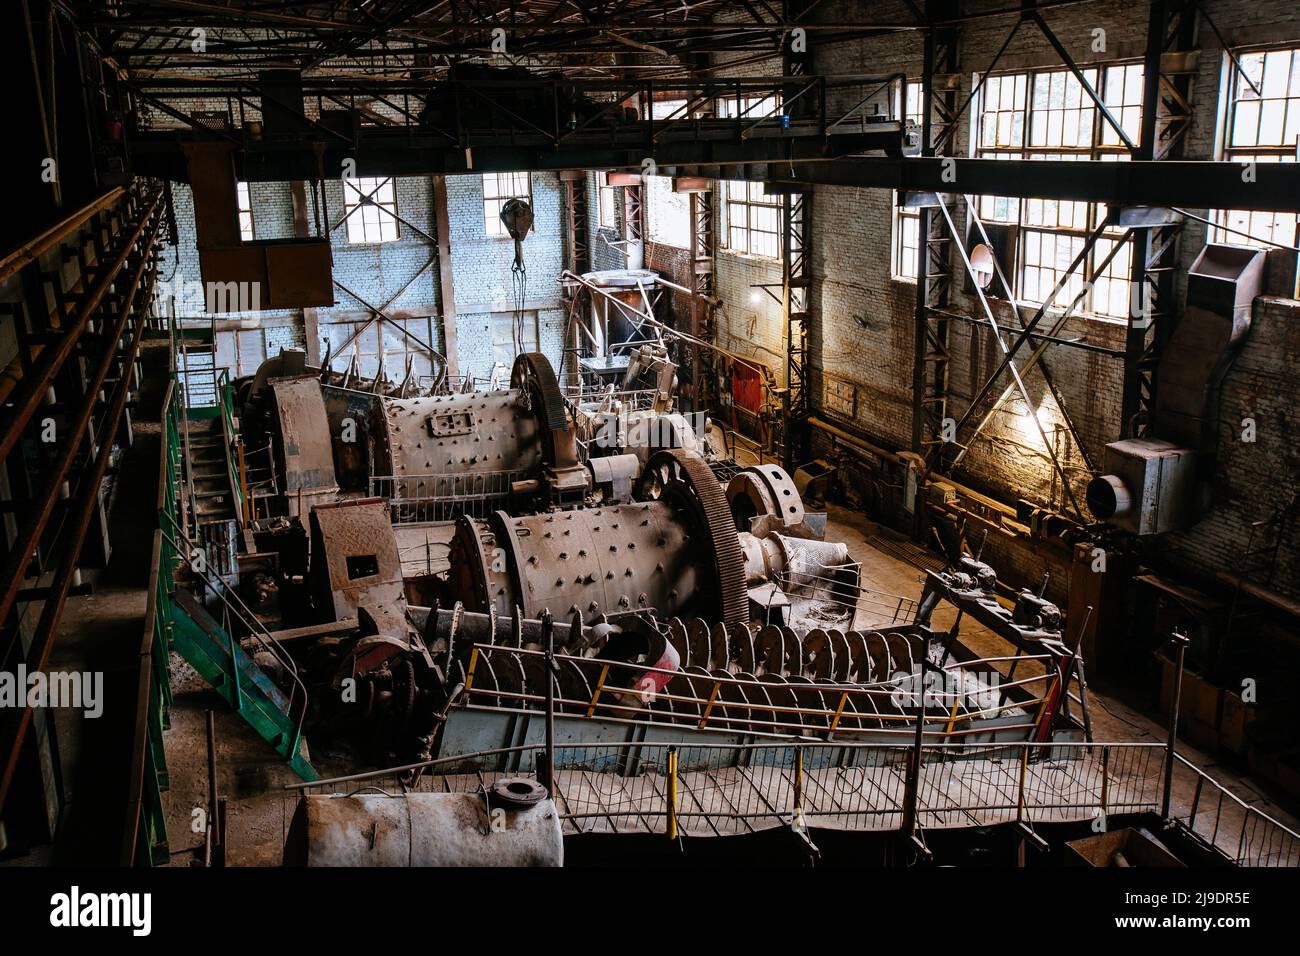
301 229
795 285
1166 116
796 266
940 88
702 327
446 288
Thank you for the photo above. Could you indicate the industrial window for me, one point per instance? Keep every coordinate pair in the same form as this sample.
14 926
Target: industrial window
907 222
750 109
1048 115
669 110
907 241
370 206
605 197
1262 125
498 189
669 212
245 205
752 219
913 102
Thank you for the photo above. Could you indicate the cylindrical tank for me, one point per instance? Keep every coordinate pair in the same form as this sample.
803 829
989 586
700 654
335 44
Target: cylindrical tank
600 560
426 829
472 433
478 445
676 551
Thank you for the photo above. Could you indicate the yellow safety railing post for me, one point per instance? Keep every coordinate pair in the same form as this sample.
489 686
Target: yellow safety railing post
469 677
672 793
839 711
708 707
952 714
600 685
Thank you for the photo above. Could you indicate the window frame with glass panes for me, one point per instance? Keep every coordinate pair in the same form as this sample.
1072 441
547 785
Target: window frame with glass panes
1046 114
492 204
606 202
907 221
1245 137
753 203
373 221
754 214
244 203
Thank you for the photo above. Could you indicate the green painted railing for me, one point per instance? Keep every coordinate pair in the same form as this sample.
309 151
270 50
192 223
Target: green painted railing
227 392
144 840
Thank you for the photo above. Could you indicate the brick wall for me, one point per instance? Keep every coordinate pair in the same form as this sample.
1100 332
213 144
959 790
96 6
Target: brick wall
481 269
864 317
401 277
1253 478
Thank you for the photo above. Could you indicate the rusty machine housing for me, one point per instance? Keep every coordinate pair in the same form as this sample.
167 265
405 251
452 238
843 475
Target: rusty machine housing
312 440
679 549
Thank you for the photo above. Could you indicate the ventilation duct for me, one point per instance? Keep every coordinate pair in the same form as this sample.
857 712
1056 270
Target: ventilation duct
1162 482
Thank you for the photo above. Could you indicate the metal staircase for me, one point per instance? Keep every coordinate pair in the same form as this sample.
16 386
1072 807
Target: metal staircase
231 665
210 479
211 627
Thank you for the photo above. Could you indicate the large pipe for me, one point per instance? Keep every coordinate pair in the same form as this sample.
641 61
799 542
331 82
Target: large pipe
853 440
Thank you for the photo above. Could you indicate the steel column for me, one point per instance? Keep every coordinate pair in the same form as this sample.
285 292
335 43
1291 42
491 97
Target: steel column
1166 117
931 355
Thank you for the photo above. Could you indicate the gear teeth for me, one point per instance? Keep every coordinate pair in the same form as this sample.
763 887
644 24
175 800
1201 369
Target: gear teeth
537 366
715 512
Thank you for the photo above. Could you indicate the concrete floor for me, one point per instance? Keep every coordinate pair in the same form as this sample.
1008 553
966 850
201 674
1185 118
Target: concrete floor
250 776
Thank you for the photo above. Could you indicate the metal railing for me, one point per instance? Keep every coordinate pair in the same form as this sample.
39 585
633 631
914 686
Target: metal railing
1245 834
144 838
233 442
202 381
110 299
753 450
419 499
595 399
726 789
720 789
611 689
868 606
235 611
